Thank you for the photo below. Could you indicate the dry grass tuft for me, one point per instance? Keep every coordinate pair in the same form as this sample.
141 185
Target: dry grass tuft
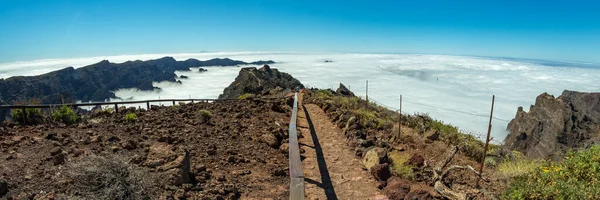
97 177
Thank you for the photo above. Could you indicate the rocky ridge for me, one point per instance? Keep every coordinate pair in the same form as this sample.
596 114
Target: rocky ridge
262 82
555 125
97 82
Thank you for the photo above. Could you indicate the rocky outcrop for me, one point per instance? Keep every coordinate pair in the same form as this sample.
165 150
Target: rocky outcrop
258 81
344 91
554 125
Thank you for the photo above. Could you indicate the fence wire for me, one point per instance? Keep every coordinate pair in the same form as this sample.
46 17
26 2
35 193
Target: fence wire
477 135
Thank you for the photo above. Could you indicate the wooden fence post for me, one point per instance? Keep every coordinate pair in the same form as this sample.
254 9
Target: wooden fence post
487 141
116 108
367 93
24 114
147 105
400 118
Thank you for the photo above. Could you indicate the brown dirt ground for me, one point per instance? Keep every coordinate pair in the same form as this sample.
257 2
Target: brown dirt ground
235 136
330 168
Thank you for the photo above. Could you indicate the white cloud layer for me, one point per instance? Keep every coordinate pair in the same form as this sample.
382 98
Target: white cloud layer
434 84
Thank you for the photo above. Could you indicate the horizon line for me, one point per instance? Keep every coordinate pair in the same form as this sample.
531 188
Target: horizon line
162 55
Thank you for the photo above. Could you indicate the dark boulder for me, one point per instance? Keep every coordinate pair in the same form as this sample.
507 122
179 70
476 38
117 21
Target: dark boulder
342 90
381 172
3 187
202 69
183 77
555 125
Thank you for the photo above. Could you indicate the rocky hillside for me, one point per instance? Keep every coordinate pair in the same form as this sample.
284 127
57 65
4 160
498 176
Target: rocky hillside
220 150
97 82
555 125
263 81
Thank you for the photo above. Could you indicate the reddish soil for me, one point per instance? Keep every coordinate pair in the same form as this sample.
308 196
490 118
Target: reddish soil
330 168
234 155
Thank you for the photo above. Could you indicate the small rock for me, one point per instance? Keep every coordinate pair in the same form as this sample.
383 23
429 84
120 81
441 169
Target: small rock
240 172
200 168
115 148
381 172
3 187
129 144
433 136
97 139
113 138
416 160
231 159
277 172
396 189
270 140
180 194
51 136
55 151
47 196
374 157
136 159
284 148
365 143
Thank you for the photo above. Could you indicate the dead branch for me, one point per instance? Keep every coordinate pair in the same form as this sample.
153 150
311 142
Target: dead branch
468 167
440 174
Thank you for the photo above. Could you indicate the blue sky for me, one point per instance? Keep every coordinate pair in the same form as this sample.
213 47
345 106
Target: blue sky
554 30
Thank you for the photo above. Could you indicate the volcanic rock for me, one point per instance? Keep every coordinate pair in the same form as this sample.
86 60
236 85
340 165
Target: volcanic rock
342 90
381 172
375 156
554 125
257 81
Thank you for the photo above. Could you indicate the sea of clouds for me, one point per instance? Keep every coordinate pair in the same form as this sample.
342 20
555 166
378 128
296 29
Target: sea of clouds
454 89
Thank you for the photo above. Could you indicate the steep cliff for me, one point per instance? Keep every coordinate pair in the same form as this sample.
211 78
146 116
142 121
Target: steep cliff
554 125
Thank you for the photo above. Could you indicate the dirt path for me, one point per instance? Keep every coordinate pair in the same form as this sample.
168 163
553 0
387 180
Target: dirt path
331 170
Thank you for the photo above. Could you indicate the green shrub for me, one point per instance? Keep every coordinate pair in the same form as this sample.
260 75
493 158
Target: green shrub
246 95
205 115
31 115
27 117
130 117
322 94
467 144
577 177
516 164
399 166
365 116
65 115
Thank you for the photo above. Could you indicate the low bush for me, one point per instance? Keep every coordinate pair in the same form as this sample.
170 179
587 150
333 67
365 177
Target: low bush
130 117
577 177
31 115
246 95
399 164
65 115
516 164
322 94
205 115
98 177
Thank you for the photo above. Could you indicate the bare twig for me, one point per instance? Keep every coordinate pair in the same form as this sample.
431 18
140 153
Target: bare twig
440 174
